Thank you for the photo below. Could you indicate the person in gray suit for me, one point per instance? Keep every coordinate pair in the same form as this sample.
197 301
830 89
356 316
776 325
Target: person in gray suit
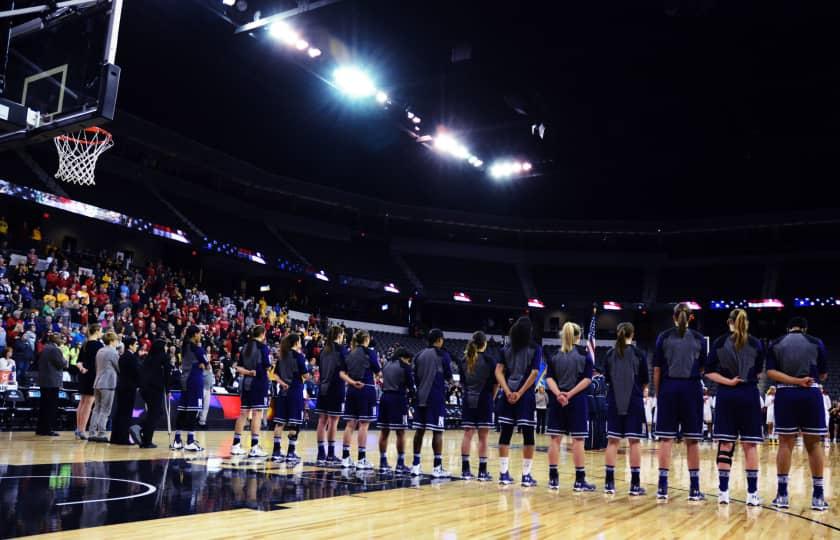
107 369
51 364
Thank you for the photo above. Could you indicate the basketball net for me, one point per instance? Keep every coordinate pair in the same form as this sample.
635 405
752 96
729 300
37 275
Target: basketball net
78 153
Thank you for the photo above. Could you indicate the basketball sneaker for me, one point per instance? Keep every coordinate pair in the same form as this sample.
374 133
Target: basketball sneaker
385 469
484 477
781 501
505 479
528 481
416 470
818 504
636 491
278 458
440 472
609 488
176 445
583 486
292 459
554 484
662 494
237 450
402 470
364 465
696 495
333 461
193 447
257 452
753 499
723 497
467 475
347 463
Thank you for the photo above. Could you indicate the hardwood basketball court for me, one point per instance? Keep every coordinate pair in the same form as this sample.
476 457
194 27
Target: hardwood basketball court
72 490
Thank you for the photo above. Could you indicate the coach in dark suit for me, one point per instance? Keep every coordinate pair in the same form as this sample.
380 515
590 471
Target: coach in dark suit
51 364
127 383
153 382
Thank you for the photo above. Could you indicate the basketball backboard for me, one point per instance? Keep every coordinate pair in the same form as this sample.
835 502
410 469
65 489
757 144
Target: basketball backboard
59 72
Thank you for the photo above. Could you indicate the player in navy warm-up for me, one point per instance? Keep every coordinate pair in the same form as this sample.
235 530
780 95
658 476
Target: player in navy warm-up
797 362
331 391
568 375
432 366
735 361
193 365
360 404
626 371
516 373
677 368
478 380
291 372
397 383
254 363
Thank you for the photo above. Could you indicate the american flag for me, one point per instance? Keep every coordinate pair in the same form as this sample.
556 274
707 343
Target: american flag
590 337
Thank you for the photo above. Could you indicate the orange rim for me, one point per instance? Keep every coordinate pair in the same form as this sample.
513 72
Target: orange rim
94 130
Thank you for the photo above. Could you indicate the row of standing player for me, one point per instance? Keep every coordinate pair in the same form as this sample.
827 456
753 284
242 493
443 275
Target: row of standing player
795 361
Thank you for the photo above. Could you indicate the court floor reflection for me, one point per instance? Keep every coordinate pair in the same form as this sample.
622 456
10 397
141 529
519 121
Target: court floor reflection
46 498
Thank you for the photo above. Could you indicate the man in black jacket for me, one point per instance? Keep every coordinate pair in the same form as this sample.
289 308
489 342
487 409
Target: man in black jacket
50 367
153 375
127 383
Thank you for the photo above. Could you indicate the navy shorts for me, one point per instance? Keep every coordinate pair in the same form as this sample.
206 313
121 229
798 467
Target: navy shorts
393 411
521 413
360 404
738 414
799 409
572 420
288 408
331 405
621 426
432 416
481 416
254 401
192 398
679 407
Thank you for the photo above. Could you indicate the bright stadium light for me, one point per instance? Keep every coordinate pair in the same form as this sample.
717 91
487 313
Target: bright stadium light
314 52
322 276
461 297
391 288
229 3
505 168
381 97
283 32
535 303
612 306
301 44
354 82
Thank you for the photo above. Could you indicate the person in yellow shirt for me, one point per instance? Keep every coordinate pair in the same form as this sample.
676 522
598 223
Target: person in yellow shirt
263 305
61 297
84 296
49 297
36 234
272 316
4 227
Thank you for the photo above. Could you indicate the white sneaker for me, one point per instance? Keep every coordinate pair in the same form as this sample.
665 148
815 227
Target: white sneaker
723 497
193 447
364 465
347 463
237 450
176 445
416 470
257 452
753 499
440 472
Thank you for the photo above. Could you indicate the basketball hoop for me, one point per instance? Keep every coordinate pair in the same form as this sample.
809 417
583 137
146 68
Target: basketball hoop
78 153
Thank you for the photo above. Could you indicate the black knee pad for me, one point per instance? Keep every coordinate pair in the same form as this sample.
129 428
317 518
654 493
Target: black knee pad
725 456
528 436
506 434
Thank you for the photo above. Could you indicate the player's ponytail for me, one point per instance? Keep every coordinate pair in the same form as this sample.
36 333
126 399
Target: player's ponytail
287 343
570 336
624 332
740 326
333 334
682 313
359 339
476 342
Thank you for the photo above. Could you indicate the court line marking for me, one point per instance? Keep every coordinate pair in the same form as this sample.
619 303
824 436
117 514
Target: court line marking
149 488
